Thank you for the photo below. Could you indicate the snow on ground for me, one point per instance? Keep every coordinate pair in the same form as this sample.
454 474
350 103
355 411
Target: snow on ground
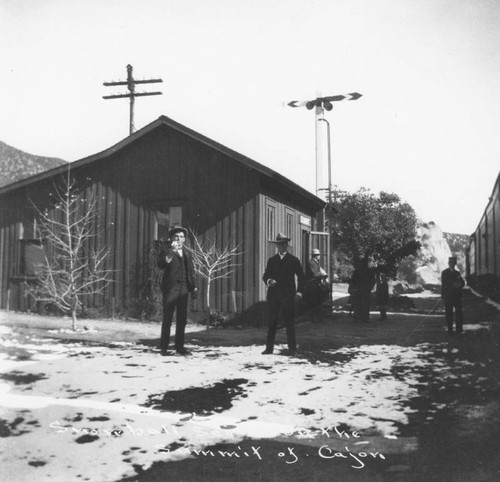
422 294
69 401
477 326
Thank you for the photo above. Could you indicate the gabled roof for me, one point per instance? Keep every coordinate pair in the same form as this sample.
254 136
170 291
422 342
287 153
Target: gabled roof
166 121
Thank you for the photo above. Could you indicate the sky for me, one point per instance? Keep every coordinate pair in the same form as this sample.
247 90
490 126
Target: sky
426 126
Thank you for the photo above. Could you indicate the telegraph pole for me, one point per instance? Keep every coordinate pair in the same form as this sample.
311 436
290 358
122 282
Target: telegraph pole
131 83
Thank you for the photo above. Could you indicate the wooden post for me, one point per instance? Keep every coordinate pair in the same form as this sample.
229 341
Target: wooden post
131 83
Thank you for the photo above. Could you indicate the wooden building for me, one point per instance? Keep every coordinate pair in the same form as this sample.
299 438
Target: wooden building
161 175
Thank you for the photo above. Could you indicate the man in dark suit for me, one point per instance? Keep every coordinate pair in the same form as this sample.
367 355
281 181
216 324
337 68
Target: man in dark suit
363 281
451 292
177 282
317 285
282 292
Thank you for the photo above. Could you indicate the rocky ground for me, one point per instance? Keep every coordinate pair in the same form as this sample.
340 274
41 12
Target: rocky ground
396 400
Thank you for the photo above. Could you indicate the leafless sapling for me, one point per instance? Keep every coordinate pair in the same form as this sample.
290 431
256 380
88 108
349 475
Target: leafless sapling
212 263
74 263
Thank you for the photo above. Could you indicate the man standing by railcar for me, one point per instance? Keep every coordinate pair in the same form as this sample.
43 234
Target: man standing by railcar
281 271
177 282
452 284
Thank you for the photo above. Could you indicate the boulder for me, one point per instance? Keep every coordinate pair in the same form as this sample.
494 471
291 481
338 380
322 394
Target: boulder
425 268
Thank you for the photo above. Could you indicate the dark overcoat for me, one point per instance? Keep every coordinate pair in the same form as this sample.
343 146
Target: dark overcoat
451 284
284 271
172 270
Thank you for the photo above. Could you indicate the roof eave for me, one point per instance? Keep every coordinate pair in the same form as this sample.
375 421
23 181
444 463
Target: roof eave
164 120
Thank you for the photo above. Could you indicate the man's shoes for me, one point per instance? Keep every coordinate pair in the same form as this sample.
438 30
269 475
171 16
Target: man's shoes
267 352
183 352
164 353
292 353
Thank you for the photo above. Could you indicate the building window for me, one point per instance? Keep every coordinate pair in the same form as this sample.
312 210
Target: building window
289 226
31 256
270 222
166 219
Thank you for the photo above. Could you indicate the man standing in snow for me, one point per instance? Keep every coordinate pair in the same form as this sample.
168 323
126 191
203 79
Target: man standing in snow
282 292
451 292
178 281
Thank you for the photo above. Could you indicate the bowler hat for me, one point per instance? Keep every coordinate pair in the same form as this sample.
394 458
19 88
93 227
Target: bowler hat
452 258
315 251
281 238
176 229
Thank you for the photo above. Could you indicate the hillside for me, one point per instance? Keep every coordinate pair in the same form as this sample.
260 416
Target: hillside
16 165
425 268
457 244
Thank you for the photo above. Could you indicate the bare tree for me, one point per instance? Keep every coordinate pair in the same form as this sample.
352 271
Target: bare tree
212 263
73 268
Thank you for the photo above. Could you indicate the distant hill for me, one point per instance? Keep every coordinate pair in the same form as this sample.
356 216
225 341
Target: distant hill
16 165
426 266
458 244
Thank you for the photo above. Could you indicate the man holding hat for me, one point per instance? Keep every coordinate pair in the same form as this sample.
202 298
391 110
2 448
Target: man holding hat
282 292
451 292
177 282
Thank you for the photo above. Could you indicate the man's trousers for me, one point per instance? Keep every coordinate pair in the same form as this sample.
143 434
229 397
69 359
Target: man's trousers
286 308
451 304
174 299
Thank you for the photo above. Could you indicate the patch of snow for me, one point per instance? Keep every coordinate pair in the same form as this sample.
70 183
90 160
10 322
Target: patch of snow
280 397
476 326
4 330
423 294
70 331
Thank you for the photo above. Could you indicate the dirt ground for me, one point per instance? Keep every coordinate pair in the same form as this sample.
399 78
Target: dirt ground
452 420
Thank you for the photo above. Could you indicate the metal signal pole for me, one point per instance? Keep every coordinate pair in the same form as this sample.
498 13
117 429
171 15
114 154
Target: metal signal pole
320 105
131 83
329 161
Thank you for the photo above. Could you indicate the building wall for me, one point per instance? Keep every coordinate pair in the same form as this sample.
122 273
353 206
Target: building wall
161 173
279 217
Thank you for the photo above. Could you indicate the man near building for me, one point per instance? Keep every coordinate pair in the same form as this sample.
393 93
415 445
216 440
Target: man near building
452 284
363 281
317 285
280 276
177 282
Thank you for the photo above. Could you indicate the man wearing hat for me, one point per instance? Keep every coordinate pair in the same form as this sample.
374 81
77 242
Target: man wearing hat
314 267
317 284
177 282
279 276
451 292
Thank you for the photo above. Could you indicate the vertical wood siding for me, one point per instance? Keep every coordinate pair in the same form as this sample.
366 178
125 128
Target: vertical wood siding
219 197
